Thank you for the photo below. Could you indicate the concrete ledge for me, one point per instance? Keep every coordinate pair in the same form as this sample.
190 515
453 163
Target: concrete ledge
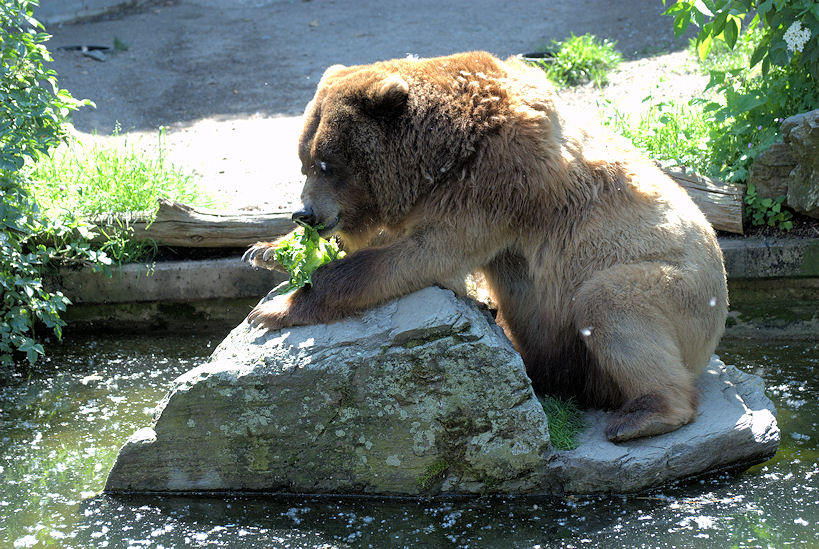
230 278
167 281
770 257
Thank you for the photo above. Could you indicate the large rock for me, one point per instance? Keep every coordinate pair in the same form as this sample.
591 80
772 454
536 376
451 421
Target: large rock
423 395
386 403
801 132
771 170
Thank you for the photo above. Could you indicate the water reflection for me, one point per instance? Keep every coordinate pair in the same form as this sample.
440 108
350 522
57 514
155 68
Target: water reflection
62 427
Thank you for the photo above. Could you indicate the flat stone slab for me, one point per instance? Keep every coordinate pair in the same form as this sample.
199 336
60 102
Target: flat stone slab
421 396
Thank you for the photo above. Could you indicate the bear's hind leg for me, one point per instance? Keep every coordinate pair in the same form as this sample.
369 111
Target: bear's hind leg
628 324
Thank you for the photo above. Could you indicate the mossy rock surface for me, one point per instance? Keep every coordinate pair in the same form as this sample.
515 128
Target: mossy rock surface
422 396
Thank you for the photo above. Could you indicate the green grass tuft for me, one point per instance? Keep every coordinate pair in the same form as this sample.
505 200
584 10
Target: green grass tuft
671 132
81 184
87 181
565 421
581 59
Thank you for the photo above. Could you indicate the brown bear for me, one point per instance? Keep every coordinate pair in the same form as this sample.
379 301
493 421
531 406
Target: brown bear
608 279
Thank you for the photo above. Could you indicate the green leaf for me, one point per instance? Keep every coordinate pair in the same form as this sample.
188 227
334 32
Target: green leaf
731 32
700 6
717 78
704 47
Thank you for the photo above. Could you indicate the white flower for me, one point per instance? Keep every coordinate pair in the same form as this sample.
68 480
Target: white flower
796 37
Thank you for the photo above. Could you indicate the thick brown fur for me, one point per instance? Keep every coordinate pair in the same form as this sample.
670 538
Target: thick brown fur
608 279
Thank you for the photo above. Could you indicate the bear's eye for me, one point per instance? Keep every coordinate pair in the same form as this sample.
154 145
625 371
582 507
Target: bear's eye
321 166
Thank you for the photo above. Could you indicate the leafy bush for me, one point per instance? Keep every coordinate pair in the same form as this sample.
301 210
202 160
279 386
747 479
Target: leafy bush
31 114
780 79
581 59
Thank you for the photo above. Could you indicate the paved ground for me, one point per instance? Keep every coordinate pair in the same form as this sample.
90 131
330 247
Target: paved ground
230 77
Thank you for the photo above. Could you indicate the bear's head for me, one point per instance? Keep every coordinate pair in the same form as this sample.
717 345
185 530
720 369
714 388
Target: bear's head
348 149
379 138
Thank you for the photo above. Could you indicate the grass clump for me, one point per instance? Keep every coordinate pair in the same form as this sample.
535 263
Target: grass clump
580 59
101 179
565 421
90 184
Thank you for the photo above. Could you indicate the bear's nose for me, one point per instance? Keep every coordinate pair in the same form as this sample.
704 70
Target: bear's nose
305 216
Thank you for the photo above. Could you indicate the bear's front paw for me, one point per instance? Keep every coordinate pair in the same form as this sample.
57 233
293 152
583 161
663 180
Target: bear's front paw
273 314
261 255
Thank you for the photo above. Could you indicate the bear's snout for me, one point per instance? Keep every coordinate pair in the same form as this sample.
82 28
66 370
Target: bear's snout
305 216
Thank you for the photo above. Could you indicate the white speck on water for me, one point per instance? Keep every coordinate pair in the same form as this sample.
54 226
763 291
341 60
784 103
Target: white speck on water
800 521
191 422
393 460
586 332
713 302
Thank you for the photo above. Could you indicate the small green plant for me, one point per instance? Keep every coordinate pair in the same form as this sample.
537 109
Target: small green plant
303 253
581 59
767 211
667 131
565 421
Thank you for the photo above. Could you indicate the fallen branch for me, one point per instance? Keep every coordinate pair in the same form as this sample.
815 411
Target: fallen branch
721 203
181 225
178 224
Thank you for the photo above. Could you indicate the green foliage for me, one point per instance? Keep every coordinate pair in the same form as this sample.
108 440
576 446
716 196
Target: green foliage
302 254
773 74
767 211
32 108
789 29
565 421
78 183
668 131
581 59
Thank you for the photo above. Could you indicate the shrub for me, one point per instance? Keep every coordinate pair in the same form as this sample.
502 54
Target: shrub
781 77
31 114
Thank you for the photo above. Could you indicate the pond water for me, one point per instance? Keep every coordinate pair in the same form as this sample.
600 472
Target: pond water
61 427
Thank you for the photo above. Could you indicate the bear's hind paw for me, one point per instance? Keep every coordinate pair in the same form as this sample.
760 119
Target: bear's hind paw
643 416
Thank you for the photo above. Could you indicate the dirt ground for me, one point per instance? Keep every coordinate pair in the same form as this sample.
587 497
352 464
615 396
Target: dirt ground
229 79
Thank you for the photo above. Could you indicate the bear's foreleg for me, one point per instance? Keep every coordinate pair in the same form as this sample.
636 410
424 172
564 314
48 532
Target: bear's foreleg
371 276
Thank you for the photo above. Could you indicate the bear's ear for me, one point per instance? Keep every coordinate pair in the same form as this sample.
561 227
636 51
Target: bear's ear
329 72
389 97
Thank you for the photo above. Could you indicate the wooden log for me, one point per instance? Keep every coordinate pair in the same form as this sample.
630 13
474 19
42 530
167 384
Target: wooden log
181 225
722 204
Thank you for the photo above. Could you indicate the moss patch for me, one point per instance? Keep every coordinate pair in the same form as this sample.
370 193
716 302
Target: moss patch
434 473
